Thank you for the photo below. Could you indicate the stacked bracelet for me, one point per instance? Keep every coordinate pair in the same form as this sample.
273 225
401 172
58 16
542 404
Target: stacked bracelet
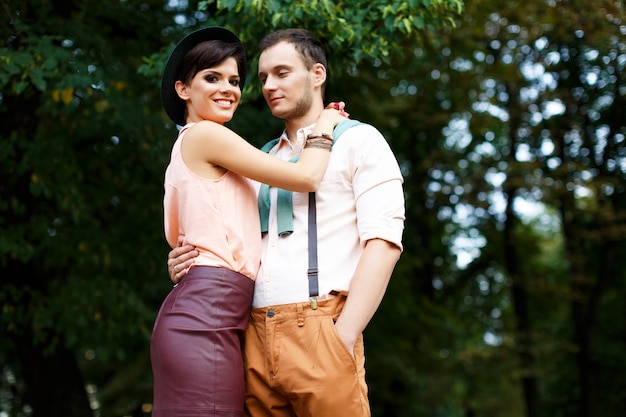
319 140
318 143
323 141
325 136
318 146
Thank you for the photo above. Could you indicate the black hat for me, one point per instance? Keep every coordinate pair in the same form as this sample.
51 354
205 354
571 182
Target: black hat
173 105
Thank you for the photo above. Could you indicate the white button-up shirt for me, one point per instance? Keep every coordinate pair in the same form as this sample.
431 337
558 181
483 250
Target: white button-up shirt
360 198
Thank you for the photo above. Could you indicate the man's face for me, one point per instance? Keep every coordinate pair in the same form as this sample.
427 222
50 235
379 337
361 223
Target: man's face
287 84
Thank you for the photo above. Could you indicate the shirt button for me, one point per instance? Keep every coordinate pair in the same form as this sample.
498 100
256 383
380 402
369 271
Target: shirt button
270 313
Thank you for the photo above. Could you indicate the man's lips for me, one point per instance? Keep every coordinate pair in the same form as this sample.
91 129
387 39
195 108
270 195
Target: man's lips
274 100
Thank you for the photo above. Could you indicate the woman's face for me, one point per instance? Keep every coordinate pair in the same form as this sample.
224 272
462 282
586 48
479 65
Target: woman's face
213 93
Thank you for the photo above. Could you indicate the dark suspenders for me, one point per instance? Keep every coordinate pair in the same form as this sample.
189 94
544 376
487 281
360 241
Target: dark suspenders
312 272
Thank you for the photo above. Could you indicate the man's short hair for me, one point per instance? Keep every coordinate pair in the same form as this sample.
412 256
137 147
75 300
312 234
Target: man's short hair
307 45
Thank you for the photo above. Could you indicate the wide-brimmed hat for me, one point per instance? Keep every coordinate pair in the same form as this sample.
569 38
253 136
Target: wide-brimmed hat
174 106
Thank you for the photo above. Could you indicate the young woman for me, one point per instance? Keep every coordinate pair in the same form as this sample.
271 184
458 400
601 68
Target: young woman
195 345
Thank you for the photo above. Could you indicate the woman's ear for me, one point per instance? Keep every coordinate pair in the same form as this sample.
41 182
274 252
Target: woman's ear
181 90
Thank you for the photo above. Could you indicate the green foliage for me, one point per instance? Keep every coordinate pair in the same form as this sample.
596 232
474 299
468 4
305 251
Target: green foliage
530 323
352 31
83 151
82 161
471 128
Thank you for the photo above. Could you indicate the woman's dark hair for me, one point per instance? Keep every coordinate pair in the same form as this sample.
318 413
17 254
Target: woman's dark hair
209 54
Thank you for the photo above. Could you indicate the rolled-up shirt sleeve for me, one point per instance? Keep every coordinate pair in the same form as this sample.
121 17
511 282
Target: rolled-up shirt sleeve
377 183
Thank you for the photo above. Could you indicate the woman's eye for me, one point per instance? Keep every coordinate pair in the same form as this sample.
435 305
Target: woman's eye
211 78
234 83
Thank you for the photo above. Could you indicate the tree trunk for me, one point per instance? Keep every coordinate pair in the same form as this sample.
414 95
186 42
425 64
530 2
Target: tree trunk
512 263
523 323
53 381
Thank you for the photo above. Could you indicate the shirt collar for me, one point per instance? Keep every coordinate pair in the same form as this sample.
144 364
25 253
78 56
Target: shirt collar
300 137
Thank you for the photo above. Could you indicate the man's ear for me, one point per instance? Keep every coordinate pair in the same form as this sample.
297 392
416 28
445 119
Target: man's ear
319 72
181 90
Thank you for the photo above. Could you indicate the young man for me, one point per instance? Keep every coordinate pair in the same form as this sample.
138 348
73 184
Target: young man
304 355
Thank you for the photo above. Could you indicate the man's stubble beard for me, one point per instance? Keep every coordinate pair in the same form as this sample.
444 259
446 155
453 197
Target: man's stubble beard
302 107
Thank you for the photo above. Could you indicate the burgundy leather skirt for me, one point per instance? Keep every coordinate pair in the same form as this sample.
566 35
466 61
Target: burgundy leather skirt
195 346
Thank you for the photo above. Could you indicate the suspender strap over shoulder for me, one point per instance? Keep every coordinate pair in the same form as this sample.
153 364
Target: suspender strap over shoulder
313 272
285 214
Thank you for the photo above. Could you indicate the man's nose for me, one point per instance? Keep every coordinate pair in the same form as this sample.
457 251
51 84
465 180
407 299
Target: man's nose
269 84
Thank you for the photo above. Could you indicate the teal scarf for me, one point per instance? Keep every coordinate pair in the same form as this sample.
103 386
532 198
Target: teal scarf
284 197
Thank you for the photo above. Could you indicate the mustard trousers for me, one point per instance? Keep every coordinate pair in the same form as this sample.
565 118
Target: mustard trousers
296 364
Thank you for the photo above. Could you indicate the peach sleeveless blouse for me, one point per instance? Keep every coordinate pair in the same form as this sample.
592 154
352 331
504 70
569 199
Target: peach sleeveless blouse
219 217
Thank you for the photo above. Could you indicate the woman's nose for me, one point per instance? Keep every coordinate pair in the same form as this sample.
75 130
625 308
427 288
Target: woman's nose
227 85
